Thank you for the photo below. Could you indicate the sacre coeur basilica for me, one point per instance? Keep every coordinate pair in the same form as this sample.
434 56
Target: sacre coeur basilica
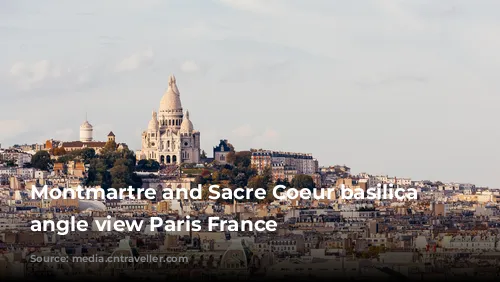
170 137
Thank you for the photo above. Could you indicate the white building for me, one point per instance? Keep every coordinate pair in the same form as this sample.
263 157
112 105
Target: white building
478 242
170 137
86 131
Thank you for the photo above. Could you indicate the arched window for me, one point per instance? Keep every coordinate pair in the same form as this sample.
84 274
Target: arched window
168 159
174 159
162 159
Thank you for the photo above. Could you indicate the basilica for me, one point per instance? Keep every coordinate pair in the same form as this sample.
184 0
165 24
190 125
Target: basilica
170 137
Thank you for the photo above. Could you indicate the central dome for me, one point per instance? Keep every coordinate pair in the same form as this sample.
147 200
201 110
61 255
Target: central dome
171 101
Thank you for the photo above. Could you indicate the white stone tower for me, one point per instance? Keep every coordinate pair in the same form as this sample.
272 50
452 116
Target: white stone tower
86 131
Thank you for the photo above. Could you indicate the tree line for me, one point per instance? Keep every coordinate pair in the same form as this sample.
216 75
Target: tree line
110 168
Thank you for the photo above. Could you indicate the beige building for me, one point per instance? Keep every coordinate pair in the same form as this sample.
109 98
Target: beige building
170 137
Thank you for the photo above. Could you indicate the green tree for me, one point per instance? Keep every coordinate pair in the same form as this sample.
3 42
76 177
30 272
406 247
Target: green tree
257 181
267 175
41 160
87 154
120 177
98 173
109 147
243 159
283 182
240 180
203 154
200 180
302 181
240 159
148 165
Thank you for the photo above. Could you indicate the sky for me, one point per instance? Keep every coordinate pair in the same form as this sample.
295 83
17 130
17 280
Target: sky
400 88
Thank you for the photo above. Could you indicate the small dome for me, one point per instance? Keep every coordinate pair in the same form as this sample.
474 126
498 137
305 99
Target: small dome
91 205
171 100
86 124
186 125
153 123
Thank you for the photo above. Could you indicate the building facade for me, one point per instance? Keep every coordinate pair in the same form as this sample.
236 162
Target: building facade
221 151
301 163
170 137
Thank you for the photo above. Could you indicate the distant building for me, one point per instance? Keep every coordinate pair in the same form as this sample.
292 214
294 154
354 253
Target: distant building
79 145
86 131
221 151
303 163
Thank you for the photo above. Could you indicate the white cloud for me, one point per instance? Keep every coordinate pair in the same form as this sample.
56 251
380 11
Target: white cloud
406 19
101 130
28 76
190 66
66 134
262 139
135 61
244 131
256 6
11 128
268 137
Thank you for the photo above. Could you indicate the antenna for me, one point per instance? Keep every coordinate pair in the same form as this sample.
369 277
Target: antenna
86 117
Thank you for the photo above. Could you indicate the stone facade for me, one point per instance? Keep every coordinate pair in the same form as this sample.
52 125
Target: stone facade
170 137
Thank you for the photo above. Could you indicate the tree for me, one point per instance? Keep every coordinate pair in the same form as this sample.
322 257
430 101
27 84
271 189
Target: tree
231 157
215 177
87 154
240 180
59 151
203 154
205 173
243 159
283 182
109 147
200 180
119 174
41 160
257 181
303 181
98 173
148 165
205 193
267 175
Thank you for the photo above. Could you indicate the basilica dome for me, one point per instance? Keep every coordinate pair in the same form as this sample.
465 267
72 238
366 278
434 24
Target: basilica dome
186 125
153 123
171 101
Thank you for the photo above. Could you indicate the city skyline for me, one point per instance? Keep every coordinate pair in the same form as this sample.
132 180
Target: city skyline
395 90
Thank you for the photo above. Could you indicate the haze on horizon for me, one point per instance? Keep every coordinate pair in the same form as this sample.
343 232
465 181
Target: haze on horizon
404 88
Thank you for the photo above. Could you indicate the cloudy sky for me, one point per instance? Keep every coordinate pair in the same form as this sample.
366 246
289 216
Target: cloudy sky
405 88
